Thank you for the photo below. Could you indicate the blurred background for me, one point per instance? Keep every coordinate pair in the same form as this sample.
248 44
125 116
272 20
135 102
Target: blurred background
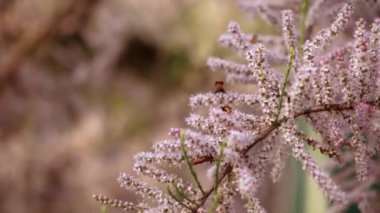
86 84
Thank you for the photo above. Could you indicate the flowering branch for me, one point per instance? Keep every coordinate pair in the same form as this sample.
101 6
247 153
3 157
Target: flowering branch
277 124
337 91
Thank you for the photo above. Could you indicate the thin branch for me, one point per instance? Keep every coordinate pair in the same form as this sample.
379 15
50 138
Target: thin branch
287 72
176 199
209 192
275 125
216 184
304 10
183 195
184 154
201 160
323 149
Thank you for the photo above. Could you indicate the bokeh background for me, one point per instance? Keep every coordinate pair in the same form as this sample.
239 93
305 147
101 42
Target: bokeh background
86 84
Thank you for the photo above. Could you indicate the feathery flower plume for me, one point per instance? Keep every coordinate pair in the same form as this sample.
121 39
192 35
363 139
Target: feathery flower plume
334 87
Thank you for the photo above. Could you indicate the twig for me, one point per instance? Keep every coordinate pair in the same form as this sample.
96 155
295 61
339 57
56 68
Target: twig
316 109
182 194
202 160
287 72
325 150
176 199
216 184
184 154
304 10
275 125
208 193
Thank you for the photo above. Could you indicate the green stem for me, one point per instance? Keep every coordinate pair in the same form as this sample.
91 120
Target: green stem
304 9
191 168
182 194
175 198
283 87
216 187
104 209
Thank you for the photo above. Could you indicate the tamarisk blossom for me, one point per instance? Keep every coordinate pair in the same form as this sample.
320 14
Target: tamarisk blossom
246 136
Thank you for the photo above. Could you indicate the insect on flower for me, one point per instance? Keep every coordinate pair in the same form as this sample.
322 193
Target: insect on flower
219 87
227 109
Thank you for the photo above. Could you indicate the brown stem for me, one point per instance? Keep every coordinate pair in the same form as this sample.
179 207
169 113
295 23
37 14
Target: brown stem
201 160
323 149
267 131
275 125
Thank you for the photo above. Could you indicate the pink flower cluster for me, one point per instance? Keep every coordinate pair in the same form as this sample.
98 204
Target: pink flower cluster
335 87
